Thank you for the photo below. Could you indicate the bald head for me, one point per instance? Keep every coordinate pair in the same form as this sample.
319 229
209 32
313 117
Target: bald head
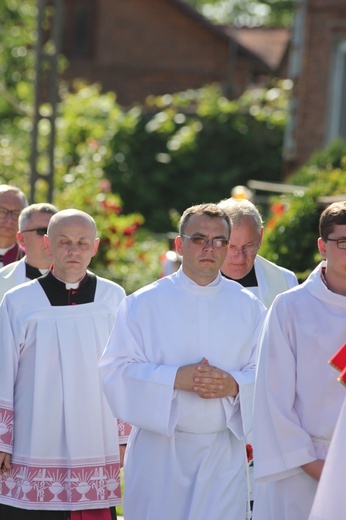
68 217
72 240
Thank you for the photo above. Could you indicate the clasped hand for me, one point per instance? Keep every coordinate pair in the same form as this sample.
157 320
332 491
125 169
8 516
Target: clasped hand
5 461
205 380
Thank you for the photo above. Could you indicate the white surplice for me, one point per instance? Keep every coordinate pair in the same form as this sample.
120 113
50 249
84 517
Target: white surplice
329 501
185 458
54 418
272 280
297 397
12 275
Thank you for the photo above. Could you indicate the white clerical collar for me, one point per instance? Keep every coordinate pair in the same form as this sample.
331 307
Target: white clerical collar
4 250
68 285
211 284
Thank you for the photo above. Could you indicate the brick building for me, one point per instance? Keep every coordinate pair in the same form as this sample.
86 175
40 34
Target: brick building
142 47
318 69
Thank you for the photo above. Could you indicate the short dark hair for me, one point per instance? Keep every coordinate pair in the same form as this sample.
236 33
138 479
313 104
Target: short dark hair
335 214
209 209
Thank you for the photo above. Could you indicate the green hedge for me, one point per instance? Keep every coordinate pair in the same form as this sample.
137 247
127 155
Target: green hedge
194 147
290 237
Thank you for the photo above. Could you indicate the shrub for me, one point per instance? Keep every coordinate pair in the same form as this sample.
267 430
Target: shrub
290 237
194 147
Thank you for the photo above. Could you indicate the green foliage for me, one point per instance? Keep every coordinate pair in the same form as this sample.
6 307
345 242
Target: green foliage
177 150
194 147
87 122
17 39
291 233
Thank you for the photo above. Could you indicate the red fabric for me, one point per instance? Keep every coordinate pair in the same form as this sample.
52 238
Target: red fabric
338 361
13 254
91 514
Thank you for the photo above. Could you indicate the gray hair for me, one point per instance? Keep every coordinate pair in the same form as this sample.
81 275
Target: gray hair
237 209
27 213
7 188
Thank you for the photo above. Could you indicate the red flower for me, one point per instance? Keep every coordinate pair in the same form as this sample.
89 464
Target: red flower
249 452
130 230
277 208
111 206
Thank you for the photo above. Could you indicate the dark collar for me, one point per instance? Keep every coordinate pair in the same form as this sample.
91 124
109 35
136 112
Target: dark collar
32 272
249 280
58 295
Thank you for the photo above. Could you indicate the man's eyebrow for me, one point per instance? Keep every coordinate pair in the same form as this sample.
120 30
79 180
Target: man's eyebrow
197 233
246 243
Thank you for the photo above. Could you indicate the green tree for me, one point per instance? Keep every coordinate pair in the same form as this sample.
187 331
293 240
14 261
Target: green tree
85 123
194 147
291 231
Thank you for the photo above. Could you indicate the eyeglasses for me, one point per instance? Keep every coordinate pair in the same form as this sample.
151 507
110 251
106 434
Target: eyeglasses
4 213
340 242
246 250
203 241
41 231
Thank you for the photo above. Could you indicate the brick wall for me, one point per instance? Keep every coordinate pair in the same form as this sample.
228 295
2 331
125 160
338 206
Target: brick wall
143 47
325 24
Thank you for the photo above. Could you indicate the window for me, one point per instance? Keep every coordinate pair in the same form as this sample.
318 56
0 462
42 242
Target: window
337 117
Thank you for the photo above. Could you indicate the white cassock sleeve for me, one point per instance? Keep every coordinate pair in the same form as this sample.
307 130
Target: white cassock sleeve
329 501
281 445
147 399
146 348
8 373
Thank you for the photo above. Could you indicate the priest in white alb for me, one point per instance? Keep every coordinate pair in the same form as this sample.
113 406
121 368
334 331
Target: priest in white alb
59 446
297 398
182 355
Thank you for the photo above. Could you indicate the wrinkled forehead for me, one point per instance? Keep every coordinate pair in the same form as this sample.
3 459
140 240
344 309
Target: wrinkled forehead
245 231
11 200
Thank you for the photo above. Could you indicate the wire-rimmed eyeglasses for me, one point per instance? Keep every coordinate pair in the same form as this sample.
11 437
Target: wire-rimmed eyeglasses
203 241
246 250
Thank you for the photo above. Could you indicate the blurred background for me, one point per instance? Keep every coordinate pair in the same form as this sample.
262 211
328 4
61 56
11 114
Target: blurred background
134 110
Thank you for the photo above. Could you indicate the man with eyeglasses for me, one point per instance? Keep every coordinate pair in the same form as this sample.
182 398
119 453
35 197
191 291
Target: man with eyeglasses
12 201
243 263
182 354
33 222
297 398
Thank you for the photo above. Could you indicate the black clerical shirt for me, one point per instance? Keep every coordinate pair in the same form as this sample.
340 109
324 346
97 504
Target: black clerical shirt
249 280
57 293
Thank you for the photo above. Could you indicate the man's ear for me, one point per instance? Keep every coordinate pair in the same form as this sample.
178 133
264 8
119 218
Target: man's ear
261 237
96 246
20 239
178 245
46 242
322 247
